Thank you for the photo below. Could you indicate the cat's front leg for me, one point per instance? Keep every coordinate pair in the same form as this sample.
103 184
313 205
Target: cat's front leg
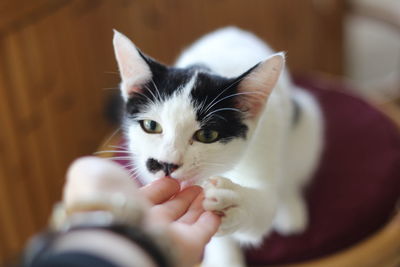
223 251
225 198
245 211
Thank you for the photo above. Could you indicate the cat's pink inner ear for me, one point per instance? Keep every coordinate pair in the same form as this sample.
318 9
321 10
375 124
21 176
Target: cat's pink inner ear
133 68
259 83
132 90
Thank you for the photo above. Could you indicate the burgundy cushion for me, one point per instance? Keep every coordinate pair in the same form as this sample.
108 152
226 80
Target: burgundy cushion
356 187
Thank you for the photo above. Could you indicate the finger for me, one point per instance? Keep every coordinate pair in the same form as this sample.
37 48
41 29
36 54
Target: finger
194 211
175 207
160 190
205 227
88 176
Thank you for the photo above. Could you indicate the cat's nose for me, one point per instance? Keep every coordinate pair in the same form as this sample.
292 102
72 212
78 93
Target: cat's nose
155 166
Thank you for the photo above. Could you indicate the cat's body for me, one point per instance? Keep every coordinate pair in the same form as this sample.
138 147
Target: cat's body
260 160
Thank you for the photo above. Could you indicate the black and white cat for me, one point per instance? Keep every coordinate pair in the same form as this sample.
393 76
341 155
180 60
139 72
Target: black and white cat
228 117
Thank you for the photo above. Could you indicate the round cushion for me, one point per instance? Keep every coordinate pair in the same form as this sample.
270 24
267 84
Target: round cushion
355 189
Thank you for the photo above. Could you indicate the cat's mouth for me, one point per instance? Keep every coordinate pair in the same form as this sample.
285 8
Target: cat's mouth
185 178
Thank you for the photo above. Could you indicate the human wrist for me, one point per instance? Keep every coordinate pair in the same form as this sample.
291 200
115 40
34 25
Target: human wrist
151 243
105 244
121 245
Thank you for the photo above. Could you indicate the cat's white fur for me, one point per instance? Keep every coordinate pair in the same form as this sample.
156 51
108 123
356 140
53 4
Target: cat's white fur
267 172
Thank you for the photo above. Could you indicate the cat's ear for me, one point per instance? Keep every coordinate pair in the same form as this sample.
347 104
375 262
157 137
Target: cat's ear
134 67
257 83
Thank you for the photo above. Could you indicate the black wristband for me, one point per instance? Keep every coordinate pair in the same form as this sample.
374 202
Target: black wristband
43 243
140 238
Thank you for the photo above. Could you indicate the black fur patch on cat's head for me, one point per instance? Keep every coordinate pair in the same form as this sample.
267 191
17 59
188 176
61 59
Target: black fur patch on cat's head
164 83
213 97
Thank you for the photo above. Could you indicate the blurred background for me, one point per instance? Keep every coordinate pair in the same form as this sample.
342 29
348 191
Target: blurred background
58 74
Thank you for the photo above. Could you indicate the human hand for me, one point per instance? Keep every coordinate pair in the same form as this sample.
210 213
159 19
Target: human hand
178 213
187 224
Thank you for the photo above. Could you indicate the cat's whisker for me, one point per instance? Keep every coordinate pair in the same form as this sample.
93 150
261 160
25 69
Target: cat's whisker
215 99
205 121
110 138
120 147
134 170
133 173
219 116
111 151
206 118
151 92
223 91
157 90
120 158
132 163
132 167
145 96
233 95
133 176
222 109
201 106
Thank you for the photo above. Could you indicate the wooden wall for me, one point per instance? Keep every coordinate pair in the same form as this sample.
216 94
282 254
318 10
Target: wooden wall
57 68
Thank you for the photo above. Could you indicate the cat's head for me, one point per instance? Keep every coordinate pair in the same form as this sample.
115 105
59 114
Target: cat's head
188 123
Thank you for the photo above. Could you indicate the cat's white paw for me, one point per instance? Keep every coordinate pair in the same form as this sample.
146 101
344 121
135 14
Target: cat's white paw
291 217
223 197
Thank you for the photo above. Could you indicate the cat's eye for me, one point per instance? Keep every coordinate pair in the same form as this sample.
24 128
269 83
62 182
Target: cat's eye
150 126
206 136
